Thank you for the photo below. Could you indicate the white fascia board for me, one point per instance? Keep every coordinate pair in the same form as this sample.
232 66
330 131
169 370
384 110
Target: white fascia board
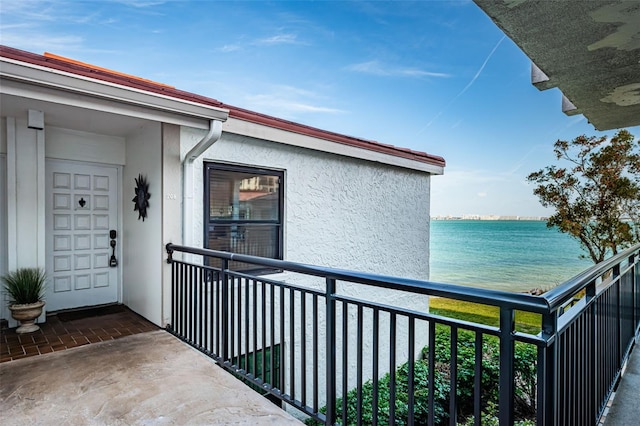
261 131
56 96
99 89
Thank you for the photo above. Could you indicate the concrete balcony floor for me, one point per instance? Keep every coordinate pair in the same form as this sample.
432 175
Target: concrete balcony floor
146 378
624 409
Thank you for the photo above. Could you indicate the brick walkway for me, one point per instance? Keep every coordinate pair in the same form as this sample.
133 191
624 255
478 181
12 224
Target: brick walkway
73 329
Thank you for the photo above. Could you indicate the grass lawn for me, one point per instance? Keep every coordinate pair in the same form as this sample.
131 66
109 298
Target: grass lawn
526 322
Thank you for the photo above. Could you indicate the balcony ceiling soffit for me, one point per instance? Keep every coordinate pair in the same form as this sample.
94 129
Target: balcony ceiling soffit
588 49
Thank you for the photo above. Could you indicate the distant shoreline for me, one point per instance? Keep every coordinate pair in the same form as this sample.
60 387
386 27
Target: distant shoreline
490 217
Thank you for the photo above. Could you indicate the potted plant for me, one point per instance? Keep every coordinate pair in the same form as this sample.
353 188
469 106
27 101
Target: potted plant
25 288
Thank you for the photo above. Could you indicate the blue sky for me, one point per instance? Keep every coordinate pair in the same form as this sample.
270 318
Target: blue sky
434 76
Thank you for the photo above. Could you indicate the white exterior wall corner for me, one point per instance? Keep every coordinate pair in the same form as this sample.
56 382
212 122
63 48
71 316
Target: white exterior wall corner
339 212
142 267
24 197
171 199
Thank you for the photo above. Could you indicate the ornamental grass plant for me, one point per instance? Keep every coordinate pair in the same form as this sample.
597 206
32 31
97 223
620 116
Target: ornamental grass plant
25 285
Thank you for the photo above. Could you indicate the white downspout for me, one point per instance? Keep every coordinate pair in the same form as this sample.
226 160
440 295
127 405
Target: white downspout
215 131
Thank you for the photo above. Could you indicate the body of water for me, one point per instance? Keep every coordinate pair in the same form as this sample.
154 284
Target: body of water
503 255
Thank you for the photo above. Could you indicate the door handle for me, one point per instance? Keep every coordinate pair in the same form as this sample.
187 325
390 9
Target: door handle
113 262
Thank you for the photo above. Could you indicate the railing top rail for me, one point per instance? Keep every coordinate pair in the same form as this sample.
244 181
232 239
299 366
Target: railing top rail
557 296
520 301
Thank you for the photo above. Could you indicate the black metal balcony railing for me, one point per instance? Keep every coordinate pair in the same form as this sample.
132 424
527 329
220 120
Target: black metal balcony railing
315 334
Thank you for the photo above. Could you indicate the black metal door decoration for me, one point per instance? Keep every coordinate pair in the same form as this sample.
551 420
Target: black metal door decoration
142 195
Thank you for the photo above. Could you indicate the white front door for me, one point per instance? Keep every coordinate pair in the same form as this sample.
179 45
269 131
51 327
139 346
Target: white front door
82 208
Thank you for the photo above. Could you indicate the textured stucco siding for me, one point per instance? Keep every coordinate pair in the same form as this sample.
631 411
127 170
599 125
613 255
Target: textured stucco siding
344 213
339 212
142 240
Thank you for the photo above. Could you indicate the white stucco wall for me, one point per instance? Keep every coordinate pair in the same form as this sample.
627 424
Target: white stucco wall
142 240
172 207
339 212
344 213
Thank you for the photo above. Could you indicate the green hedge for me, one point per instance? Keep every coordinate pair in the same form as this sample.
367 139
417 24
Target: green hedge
524 365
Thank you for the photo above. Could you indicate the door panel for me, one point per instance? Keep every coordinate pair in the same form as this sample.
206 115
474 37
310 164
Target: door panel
82 206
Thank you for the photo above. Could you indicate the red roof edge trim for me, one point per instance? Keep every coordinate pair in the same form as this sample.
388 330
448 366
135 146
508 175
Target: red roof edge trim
97 68
98 73
303 129
103 74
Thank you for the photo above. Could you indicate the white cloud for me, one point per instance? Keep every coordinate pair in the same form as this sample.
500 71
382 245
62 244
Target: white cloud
376 68
5 28
296 91
29 25
280 39
39 42
141 3
287 101
482 194
279 105
30 10
229 48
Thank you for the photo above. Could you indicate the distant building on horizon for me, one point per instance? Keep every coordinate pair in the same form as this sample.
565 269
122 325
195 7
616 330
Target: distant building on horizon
488 217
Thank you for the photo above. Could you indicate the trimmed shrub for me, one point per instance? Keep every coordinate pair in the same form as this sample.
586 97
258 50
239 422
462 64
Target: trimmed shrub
525 385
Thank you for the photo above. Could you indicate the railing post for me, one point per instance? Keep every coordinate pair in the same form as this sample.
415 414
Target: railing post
331 351
616 278
592 369
635 261
507 353
224 278
169 248
547 368
632 272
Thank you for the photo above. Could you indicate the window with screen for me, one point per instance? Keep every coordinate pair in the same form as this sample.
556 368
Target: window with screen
243 211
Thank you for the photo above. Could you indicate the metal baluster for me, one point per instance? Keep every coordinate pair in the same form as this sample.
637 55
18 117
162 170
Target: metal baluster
331 351
507 352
